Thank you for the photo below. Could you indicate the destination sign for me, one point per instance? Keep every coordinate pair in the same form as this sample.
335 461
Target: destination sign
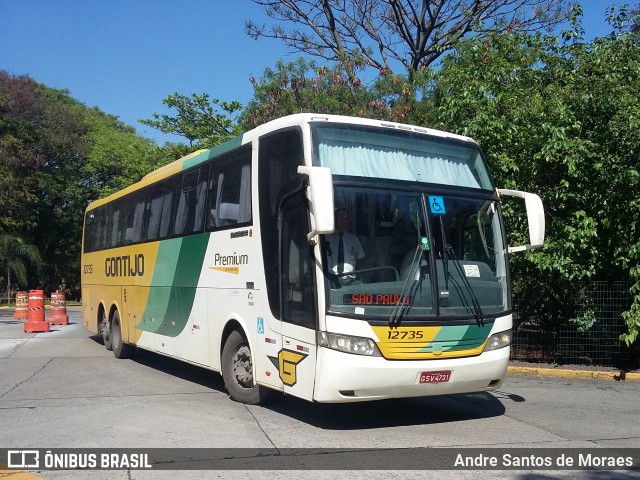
375 299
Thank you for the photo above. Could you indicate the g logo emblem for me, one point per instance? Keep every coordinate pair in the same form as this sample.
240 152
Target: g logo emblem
287 366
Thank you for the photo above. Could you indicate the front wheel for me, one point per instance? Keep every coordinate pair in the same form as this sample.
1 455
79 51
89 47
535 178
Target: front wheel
237 371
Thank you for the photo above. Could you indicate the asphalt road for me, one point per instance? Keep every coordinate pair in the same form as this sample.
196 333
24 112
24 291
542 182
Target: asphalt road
62 389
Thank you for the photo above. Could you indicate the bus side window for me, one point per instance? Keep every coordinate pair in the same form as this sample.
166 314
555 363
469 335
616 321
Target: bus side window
158 212
200 200
115 226
165 218
90 231
190 190
232 209
104 217
229 190
185 189
245 191
213 192
133 219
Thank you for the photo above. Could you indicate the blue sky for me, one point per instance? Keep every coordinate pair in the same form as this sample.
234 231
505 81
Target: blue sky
126 56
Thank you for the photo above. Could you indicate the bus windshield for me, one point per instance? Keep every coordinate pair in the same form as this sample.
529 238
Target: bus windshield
399 154
427 255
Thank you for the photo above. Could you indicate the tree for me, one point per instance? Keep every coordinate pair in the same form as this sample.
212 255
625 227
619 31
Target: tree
57 155
117 157
302 86
385 33
15 254
197 119
561 120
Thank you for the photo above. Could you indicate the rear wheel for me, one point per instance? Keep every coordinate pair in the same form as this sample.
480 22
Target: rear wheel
237 371
105 331
120 349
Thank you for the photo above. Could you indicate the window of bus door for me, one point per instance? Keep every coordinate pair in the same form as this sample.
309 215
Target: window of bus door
297 285
279 154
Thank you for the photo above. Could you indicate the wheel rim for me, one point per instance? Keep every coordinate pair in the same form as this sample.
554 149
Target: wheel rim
104 328
242 366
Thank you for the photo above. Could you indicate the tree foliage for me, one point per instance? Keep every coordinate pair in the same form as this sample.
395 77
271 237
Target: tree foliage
197 119
56 155
555 116
560 120
386 33
15 256
302 86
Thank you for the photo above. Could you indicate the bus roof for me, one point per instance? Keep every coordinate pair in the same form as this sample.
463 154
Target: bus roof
297 119
303 118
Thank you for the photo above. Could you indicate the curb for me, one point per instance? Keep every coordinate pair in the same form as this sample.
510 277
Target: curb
576 374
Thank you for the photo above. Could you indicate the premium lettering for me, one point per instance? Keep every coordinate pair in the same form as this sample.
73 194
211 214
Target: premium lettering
226 260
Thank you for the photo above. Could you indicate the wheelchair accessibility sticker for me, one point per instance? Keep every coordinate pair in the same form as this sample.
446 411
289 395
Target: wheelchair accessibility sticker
436 205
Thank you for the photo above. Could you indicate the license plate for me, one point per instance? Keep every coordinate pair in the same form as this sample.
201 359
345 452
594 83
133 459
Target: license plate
435 377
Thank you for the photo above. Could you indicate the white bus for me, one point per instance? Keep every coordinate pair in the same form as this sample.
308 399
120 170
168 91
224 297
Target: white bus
224 259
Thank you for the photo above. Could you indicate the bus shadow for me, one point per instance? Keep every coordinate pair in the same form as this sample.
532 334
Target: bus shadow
390 413
180 369
347 416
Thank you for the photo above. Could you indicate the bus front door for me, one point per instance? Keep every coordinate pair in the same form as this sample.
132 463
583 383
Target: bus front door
297 358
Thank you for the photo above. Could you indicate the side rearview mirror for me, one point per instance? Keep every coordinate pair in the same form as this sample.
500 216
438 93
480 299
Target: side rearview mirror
535 218
320 194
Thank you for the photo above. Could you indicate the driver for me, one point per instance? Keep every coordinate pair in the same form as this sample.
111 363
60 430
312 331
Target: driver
344 250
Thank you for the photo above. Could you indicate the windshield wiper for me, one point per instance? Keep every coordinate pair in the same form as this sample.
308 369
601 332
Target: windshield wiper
401 304
448 251
404 301
477 309
445 256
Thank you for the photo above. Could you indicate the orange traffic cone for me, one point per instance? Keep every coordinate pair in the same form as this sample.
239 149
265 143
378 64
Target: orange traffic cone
21 305
58 313
35 317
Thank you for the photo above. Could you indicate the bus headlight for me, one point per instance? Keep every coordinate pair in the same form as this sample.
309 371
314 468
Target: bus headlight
348 344
498 340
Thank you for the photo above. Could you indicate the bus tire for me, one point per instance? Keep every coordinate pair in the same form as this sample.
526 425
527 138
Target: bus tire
120 349
237 371
105 331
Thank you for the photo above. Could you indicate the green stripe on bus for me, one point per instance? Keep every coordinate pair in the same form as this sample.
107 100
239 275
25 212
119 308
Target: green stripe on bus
174 283
212 152
459 337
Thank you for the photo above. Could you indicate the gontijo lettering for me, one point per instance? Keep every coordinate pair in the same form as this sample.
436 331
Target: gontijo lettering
124 266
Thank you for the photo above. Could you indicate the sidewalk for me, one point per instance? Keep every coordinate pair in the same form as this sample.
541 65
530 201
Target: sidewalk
573 371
